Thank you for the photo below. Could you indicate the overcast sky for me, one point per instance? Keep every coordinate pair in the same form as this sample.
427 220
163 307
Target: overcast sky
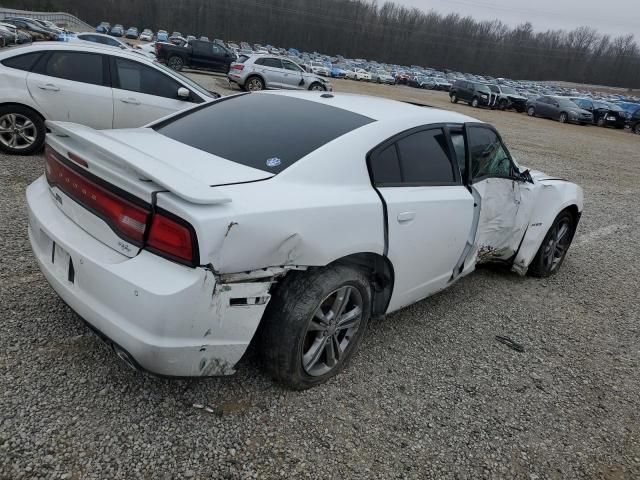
608 16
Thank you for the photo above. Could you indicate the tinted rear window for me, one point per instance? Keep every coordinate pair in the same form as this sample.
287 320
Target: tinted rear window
261 130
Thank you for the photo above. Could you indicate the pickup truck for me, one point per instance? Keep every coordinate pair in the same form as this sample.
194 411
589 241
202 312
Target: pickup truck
195 54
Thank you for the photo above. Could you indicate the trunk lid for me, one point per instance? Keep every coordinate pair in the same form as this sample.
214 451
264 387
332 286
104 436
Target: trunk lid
131 165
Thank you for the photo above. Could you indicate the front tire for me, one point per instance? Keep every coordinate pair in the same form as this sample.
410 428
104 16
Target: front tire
318 87
22 130
636 129
531 112
555 246
475 103
564 118
503 105
454 98
314 325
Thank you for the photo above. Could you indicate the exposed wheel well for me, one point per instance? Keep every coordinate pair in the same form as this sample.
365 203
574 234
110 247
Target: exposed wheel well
380 271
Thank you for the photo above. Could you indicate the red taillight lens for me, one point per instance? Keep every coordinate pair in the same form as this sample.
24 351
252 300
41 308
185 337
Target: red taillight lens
125 217
237 66
171 237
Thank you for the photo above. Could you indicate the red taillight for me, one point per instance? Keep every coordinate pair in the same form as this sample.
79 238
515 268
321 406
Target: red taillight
170 237
237 66
125 217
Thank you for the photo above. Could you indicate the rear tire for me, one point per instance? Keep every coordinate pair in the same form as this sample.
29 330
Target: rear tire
601 122
564 118
503 104
636 128
254 84
555 246
454 98
176 63
293 330
22 130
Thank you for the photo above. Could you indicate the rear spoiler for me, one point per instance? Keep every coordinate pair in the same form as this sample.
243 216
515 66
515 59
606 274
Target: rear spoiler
176 181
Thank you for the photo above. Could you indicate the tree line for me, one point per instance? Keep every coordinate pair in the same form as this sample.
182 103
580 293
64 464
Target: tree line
387 33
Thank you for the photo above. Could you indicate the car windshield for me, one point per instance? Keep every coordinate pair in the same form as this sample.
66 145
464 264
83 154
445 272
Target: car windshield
508 90
220 129
185 79
493 88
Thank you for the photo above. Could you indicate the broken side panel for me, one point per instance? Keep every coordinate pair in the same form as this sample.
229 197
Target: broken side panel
505 208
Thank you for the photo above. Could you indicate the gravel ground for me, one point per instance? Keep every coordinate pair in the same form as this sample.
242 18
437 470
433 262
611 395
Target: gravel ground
430 395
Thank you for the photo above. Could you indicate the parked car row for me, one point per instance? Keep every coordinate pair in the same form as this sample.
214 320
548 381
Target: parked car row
565 109
178 52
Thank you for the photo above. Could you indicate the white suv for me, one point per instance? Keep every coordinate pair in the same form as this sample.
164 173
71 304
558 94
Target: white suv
94 85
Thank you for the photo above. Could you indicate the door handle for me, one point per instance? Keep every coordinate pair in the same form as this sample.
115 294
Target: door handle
49 86
406 217
131 101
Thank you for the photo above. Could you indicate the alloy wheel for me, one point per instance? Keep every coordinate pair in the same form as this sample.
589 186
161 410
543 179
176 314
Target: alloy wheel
557 245
254 85
17 131
175 63
329 334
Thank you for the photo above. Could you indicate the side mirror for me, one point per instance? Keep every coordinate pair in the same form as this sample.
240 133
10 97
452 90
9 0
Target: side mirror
183 93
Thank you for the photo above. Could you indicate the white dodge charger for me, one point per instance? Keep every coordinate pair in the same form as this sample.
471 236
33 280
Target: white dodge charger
289 217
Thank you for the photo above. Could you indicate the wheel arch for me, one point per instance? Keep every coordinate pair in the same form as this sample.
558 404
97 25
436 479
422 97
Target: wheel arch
261 77
24 105
378 269
381 273
561 197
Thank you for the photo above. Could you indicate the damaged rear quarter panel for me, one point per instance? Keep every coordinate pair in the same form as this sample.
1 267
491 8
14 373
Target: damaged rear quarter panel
306 218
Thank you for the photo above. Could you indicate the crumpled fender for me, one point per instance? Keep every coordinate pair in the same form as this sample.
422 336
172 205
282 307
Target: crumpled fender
553 196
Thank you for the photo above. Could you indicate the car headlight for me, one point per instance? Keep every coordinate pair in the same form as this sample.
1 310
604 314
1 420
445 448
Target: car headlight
484 96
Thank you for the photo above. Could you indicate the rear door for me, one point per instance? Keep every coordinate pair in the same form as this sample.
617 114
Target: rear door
272 71
292 75
73 86
429 211
142 94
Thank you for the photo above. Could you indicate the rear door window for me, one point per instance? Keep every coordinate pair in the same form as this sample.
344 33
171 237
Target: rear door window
385 167
272 62
424 158
76 66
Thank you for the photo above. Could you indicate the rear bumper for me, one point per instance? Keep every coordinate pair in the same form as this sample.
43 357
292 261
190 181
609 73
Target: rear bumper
172 320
